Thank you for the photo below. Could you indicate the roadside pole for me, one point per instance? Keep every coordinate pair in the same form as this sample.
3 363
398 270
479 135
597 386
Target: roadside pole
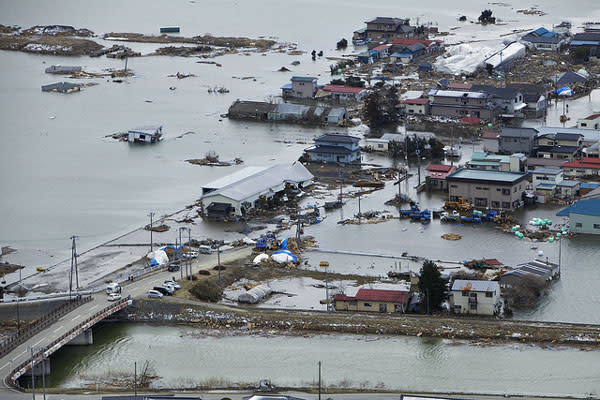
319 380
32 375
135 378
219 265
325 264
151 215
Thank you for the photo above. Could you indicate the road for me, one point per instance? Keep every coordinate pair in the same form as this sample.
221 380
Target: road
135 289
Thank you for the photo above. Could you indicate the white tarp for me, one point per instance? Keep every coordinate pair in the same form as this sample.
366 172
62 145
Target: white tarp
255 295
260 258
283 256
464 58
160 256
511 52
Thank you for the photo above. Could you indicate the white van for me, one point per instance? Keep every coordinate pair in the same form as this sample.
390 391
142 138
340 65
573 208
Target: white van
113 288
205 249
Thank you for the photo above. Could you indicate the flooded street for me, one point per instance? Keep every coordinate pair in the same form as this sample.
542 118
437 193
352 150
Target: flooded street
184 357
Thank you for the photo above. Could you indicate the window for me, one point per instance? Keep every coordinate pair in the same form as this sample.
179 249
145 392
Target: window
473 306
382 307
578 225
480 202
367 304
465 293
506 192
495 204
489 294
473 295
353 302
505 204
596 226
380 145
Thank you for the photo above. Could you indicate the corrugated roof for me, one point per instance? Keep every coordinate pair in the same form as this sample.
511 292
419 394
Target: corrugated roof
568 183
475 286
264 180
480 175
329 150
328 137
583 207
342 89
439 167
388 296
421 101
586 162
233 178
518 132
547 171
455 93
303 78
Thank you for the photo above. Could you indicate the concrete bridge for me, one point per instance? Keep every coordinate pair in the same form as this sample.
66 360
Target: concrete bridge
55 331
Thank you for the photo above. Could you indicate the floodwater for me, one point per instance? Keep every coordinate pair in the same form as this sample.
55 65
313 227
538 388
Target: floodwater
60 176
184 357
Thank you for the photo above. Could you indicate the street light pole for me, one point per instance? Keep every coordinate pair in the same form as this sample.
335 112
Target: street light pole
319 380
325 265
151 215
219 265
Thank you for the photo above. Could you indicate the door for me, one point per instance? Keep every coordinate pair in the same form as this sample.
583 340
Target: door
382 308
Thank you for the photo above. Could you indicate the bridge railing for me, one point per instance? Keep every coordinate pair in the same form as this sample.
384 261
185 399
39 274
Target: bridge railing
28 331
17 372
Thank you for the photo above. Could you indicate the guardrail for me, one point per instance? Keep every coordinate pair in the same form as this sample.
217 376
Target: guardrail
17 372
44 297
23 334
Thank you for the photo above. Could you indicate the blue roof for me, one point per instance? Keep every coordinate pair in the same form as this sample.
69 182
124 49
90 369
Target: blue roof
287 86
589 185
546 186
540 31
584 207
495 176
303 78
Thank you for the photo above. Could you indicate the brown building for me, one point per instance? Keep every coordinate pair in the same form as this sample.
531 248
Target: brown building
384 28
373 300
488 189
457 104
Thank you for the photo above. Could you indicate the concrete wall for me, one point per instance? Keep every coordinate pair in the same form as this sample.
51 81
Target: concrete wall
515 145
491 192
483 306
580 223
29 311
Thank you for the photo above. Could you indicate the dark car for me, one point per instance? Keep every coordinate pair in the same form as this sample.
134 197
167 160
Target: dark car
162 290
173 268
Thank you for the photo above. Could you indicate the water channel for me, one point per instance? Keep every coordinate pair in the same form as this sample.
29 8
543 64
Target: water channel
185 357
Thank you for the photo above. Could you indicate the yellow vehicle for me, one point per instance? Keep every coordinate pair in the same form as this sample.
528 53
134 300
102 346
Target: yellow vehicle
40 269
461 204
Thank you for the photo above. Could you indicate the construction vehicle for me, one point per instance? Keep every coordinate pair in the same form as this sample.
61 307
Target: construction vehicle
461 204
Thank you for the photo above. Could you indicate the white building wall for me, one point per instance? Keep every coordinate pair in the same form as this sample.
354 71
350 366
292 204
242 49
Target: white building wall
484 306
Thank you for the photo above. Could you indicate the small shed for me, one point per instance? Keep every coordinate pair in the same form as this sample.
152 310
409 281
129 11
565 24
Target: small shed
145 134
337 115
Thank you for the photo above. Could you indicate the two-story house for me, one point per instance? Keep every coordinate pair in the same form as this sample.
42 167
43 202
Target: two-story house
496 162
517 140
559 145
507 102
387 28
475 297
342 149
457 104
534 96
301 87
544 40
590 122
546 179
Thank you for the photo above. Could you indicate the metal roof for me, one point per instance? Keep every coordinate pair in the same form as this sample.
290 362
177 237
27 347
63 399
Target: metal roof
263 181
501 93
558 149
547 171
584 207
303 78
589 135
329 150
568 183
475 286
455 93
147 130
233 178
480 175
518 132
333 138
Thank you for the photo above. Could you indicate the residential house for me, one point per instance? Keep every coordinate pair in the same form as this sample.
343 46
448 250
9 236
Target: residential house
589 122
373 300
517 140
430 46
533 163
366 57
383 50
591 40
407 53
544 40
301 87
62 69
546 179
382 143
342 149
568 78
559 145
475 297
586 167
387 28
488 189
343 94
568 188
489 141
234 196
252 110
457 104
496 162
507 102
591 151
436 176
590 136
535 97
416 106
584 216
540 270
145 134
62 87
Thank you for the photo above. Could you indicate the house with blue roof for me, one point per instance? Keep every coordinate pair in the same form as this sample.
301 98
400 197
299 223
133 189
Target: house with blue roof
544 40
584 216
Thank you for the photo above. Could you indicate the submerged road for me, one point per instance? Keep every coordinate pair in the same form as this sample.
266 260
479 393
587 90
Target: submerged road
135 289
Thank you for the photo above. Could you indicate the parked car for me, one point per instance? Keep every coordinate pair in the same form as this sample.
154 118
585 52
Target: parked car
113 288
173 268
169 286
154 294
173 283
190 254
163 290
114 297
205 249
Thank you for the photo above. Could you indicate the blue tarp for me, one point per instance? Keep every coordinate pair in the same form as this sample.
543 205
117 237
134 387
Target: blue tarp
173 247
153 262
564 91
284 243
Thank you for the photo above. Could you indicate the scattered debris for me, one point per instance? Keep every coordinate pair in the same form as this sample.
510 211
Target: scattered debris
157 228
451 236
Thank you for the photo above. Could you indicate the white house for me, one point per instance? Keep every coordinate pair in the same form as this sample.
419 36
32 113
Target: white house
489 141
383 143
546 177
589 122
475 297
416 106
145 134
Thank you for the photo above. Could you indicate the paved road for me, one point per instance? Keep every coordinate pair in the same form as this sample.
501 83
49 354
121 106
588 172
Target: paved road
135 289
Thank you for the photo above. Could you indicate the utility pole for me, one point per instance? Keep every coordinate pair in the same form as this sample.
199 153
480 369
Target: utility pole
32 375
418 166
73 266
151 215
325 265
319 380
219 265
559 253
135 378
18 296
359 214
190 258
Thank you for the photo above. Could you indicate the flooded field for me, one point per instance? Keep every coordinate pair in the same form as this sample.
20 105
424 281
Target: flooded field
184 357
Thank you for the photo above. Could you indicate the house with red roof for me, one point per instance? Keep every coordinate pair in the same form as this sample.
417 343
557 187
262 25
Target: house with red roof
489 140
587 166
418 106
341 93
436 176
383 50
373 300
589 122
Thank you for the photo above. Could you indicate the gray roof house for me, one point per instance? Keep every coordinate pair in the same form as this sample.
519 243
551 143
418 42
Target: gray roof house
517 140
343 149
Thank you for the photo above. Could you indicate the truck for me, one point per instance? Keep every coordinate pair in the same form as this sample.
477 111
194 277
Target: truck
113 287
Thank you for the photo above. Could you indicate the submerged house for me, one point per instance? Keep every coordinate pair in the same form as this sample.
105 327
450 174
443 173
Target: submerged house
475 297
62 87
584 216
544 40
145 134
342 149
62 69
233 196
436 176
386 28
300 87
373 300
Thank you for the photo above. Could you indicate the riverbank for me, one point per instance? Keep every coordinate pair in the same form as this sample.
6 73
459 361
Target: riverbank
479 331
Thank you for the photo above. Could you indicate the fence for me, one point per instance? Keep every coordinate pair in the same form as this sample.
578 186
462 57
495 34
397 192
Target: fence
17 372
23 334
